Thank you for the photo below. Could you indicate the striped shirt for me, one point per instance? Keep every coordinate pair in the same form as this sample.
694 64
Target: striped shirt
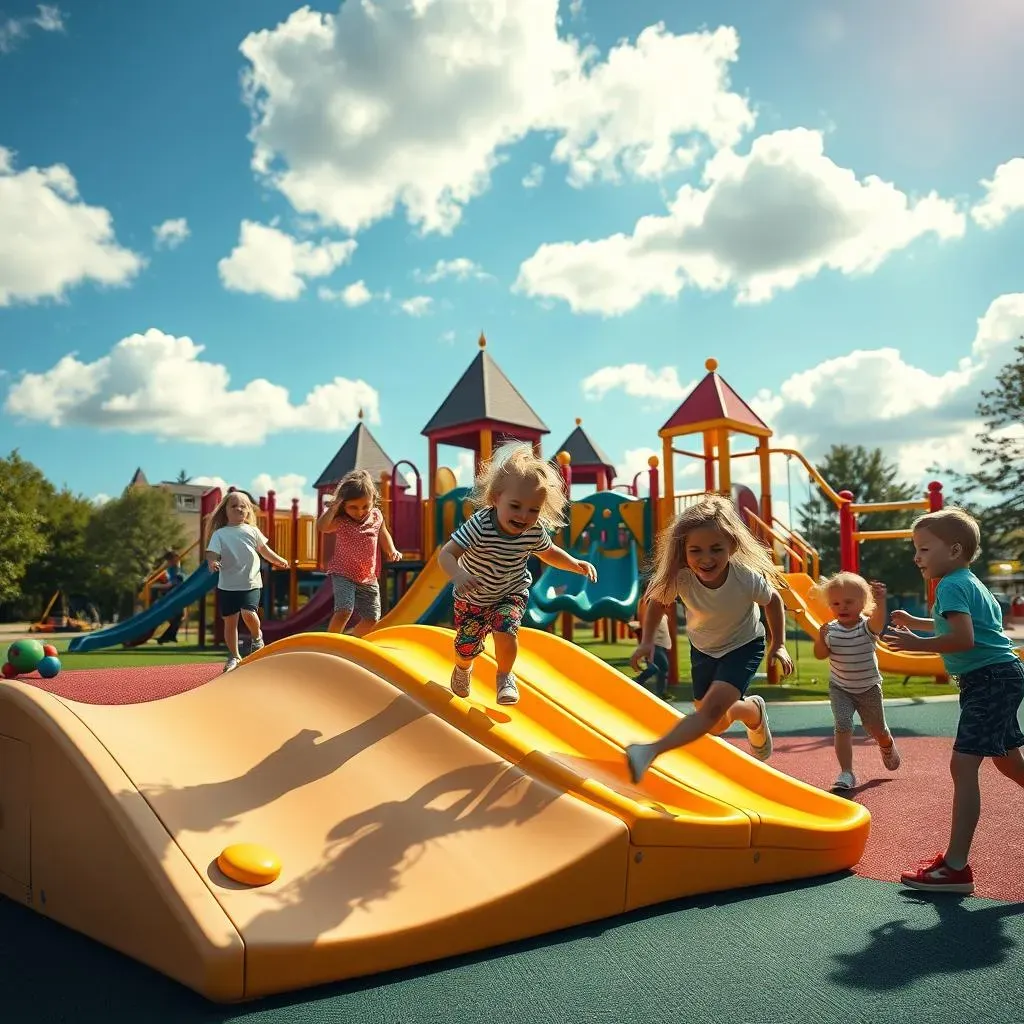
497 559
853 661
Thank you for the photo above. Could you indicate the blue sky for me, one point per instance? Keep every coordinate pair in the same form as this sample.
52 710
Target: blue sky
829 199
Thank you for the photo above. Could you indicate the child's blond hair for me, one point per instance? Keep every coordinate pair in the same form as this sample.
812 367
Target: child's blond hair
219 516
718 512
953 526
354 485
842 580
516 463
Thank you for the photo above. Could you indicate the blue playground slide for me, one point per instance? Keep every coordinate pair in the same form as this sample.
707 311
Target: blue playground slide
613 596
200 582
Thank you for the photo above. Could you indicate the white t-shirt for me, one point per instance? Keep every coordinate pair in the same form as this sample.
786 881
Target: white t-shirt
662 637
852 659
721 619
238 547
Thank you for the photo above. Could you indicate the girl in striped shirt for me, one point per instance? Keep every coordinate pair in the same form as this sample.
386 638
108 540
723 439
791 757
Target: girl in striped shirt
855 682
520 498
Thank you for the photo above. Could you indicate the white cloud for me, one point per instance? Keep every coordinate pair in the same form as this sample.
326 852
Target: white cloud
171 233
392 104
534 177
355 294
636 380
12 30
448 337
763 223
418 305
919 416
101 499
157 384
51 241
270 262
464 468
286 487
460 268
1004 194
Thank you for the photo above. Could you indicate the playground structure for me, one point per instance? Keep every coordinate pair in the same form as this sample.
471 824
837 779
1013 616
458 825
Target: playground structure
353 787
614 526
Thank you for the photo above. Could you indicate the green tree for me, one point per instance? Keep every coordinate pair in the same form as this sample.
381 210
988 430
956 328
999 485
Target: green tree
871 479
23 492
124 540
183 477
999 477
62 564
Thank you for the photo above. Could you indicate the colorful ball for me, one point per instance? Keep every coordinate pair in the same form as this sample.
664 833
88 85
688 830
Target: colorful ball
48 667
49 650
8 671
25 655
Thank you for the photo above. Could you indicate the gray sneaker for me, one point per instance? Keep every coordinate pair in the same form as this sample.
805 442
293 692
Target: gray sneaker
761 737
256 644
507 691
230 664
460 681
890 756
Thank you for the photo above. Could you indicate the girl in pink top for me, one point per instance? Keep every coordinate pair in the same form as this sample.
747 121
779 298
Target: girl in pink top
358 524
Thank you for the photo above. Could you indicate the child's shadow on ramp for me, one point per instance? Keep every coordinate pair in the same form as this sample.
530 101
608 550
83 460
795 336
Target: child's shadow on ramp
299 761
966 937
368 853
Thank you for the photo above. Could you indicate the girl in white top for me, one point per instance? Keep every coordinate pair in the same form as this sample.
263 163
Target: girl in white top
711 561
234 550
847 642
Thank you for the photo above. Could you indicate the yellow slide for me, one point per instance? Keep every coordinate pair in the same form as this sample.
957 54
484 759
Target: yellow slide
426 590
408 824
810 612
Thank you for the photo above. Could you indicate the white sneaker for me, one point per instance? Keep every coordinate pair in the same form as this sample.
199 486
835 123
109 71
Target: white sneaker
845 780
639 759
230 664
507 691
761 737
460 681
890 756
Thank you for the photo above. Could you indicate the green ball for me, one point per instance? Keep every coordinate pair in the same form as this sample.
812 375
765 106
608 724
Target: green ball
25 655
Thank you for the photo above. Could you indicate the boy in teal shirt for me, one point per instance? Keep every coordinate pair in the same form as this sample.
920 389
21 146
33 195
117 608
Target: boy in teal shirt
968 633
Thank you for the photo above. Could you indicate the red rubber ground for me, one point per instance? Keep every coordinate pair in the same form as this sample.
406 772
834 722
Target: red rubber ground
909 808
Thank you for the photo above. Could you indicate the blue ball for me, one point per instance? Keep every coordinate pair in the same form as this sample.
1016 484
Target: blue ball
48 667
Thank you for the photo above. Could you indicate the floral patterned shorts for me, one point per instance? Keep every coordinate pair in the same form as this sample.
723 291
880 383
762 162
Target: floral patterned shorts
473 622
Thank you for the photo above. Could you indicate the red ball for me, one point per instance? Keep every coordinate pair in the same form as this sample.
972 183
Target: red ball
49 651
9 671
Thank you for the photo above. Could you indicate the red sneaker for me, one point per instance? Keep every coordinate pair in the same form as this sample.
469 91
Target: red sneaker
937 876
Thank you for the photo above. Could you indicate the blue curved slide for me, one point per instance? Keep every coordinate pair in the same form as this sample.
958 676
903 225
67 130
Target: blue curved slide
613 596
199 583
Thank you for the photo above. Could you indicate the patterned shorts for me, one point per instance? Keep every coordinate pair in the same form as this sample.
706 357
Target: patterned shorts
473 622
362 598
989 699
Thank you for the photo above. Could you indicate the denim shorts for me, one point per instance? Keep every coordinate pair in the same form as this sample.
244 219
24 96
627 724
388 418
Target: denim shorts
736 667
989 700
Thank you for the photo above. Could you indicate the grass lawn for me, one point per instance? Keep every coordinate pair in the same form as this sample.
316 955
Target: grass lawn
809 681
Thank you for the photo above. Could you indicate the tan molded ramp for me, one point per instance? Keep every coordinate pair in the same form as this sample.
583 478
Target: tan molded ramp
401 839
708 817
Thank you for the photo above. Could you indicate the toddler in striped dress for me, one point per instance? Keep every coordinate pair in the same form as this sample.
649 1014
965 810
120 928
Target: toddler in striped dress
855 682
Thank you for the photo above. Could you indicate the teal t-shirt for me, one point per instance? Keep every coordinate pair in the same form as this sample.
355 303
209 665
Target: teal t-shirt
962 591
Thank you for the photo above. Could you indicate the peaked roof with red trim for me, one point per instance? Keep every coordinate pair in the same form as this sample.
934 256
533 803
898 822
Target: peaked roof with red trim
484 393
360 451
713 399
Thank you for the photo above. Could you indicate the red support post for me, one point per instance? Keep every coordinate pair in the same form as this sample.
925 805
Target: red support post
935 504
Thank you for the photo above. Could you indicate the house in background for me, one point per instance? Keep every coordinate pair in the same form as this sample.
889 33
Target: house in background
187 507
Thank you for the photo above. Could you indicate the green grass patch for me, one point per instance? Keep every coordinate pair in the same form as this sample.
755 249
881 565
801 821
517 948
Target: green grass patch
809 680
